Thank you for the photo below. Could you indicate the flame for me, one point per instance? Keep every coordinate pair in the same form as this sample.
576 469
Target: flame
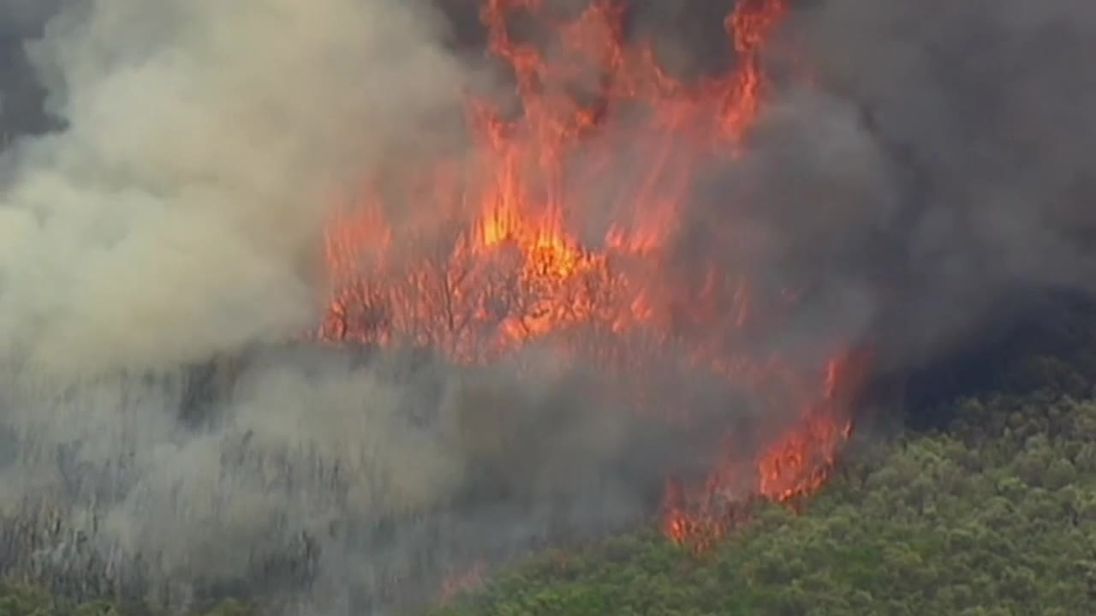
800 462
793 466
508 259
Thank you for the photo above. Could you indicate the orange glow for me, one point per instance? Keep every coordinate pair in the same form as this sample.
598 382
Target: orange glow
799 462
560 229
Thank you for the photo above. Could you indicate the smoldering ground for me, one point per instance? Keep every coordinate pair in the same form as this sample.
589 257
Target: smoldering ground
169 219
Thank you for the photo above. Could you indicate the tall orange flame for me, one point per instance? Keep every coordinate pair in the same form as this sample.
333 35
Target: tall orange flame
515 262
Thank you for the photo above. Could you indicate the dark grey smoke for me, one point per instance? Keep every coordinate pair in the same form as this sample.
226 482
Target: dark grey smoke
982 115
932 185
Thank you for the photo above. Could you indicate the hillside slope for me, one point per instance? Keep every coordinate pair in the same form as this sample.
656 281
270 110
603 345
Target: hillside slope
995 516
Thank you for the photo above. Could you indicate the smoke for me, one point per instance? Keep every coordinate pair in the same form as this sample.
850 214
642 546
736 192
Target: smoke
202 146
173 217
981 125
20 95
158 257
157 251
932 182
321 482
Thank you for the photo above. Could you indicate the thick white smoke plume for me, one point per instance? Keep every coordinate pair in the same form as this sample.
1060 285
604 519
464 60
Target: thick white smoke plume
177 214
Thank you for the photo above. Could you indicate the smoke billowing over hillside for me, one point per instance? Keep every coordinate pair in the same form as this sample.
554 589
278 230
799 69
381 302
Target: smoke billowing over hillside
172 172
